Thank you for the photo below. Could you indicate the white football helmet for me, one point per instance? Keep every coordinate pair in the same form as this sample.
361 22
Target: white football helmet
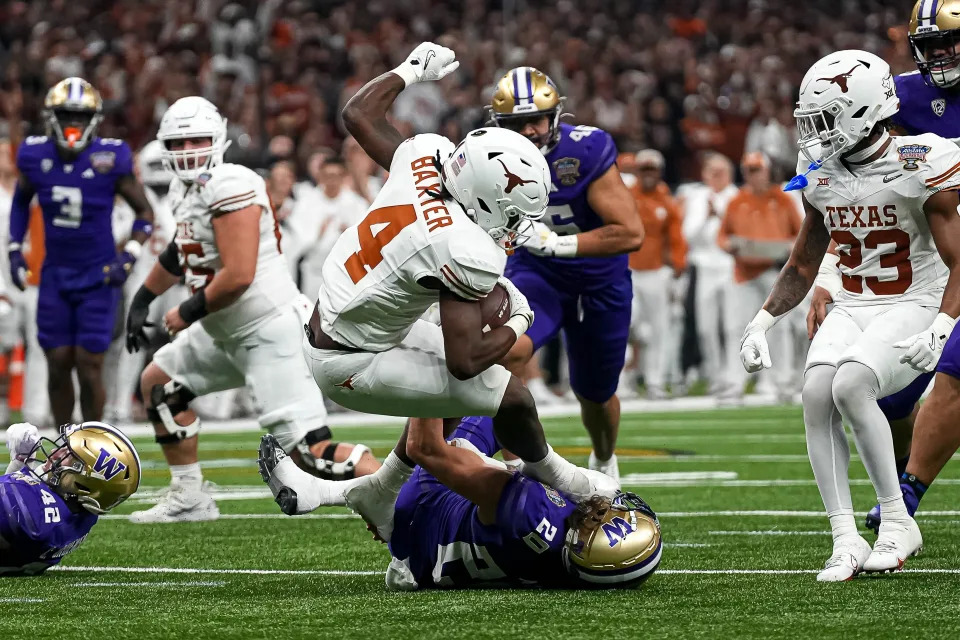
154 171
193 117
501 179
842 97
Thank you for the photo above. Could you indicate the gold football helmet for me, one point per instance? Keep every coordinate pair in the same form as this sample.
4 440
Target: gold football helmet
72 111
613 543
934 38
526 95
92 463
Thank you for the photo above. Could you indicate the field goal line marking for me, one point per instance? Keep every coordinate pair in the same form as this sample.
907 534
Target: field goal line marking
337 572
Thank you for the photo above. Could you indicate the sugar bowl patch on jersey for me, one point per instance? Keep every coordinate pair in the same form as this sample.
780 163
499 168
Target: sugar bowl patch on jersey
912 154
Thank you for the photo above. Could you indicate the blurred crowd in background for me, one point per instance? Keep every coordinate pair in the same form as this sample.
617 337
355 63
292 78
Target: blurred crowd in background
702 82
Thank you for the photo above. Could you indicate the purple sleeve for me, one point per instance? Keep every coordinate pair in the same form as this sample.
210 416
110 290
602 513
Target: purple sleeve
20 212
527 506
602 154
124 164
478 430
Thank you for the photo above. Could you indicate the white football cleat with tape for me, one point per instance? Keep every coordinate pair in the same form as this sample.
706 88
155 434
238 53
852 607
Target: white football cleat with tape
180 504
849 554
897 540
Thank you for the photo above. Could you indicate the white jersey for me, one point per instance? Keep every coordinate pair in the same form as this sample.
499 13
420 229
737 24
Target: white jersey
876 217
222 189
370 296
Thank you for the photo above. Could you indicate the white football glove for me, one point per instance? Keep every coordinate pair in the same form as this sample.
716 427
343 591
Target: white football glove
544 241
923 349
21 440
427 62
754 350
521 315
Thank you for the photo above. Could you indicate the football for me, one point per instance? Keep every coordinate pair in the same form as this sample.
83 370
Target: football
495 308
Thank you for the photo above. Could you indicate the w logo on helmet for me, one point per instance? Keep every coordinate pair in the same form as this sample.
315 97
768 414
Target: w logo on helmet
107 465
617 529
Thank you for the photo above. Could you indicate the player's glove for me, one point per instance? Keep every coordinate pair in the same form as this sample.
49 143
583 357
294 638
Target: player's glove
22 438
754 350
923 349
521 315
118 270
137 319
18 266
544 241
427 62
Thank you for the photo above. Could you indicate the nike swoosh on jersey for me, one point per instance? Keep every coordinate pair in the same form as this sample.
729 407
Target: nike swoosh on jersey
889 178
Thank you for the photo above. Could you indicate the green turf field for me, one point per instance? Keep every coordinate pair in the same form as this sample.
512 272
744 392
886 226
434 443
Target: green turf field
743 533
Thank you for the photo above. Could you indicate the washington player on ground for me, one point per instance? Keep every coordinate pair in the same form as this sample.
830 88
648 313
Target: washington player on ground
890 204
574 271
240 325
437 231
929 103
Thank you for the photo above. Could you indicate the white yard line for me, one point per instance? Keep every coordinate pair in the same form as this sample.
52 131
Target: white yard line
20 600
168 583
333 572
769 532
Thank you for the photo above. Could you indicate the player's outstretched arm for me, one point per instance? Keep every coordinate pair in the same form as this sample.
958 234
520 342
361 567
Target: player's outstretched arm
789 290
460 470
469 350
922 351
798 274
365 114
622 230
131 191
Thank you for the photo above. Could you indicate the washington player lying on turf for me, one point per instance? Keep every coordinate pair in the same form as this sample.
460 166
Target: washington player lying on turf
241 326
48 505
890 204
438 231
929 103
474 522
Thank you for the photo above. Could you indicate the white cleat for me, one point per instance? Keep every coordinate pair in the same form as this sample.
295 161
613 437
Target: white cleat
180 504
373 502
849 554
608 467
898 540
294 490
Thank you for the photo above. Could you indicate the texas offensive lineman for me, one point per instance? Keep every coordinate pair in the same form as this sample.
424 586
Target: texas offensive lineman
889 219
437 232
239 326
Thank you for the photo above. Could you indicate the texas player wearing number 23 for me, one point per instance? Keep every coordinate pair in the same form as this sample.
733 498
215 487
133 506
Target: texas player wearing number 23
240 325
891 205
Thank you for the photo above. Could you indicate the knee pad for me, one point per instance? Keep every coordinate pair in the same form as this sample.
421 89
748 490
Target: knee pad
325 466
168 400
294 423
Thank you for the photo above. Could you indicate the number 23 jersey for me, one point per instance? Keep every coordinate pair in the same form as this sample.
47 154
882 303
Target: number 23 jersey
875 215
219 191
371 294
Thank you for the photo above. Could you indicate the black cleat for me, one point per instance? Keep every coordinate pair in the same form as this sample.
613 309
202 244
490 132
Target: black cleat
287 501
271 453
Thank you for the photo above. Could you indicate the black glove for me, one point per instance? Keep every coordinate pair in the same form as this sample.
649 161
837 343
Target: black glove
137 319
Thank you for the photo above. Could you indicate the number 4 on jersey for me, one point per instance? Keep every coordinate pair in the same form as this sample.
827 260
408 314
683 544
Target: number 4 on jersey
390 221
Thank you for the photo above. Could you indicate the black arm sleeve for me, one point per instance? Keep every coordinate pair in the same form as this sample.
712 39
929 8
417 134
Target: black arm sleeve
170 260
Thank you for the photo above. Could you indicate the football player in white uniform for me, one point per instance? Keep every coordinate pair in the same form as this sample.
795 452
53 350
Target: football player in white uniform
240 325
890 204
437 231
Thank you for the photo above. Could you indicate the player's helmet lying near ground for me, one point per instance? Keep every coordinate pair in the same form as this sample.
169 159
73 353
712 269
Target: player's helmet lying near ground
92 463
613 543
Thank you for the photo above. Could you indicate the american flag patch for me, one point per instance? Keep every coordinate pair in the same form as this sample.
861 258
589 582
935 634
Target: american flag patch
458 164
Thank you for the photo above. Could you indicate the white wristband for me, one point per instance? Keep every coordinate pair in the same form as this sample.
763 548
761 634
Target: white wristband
407 73
566 247
829 276
765 319
519 323
134 248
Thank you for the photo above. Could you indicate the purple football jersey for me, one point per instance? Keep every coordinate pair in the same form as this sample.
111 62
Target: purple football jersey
926 109
76 197
582 155
440 535
37 527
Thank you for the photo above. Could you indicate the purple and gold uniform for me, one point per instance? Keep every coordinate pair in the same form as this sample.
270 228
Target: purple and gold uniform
925 108
37 527
75 307
589 298
439 535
